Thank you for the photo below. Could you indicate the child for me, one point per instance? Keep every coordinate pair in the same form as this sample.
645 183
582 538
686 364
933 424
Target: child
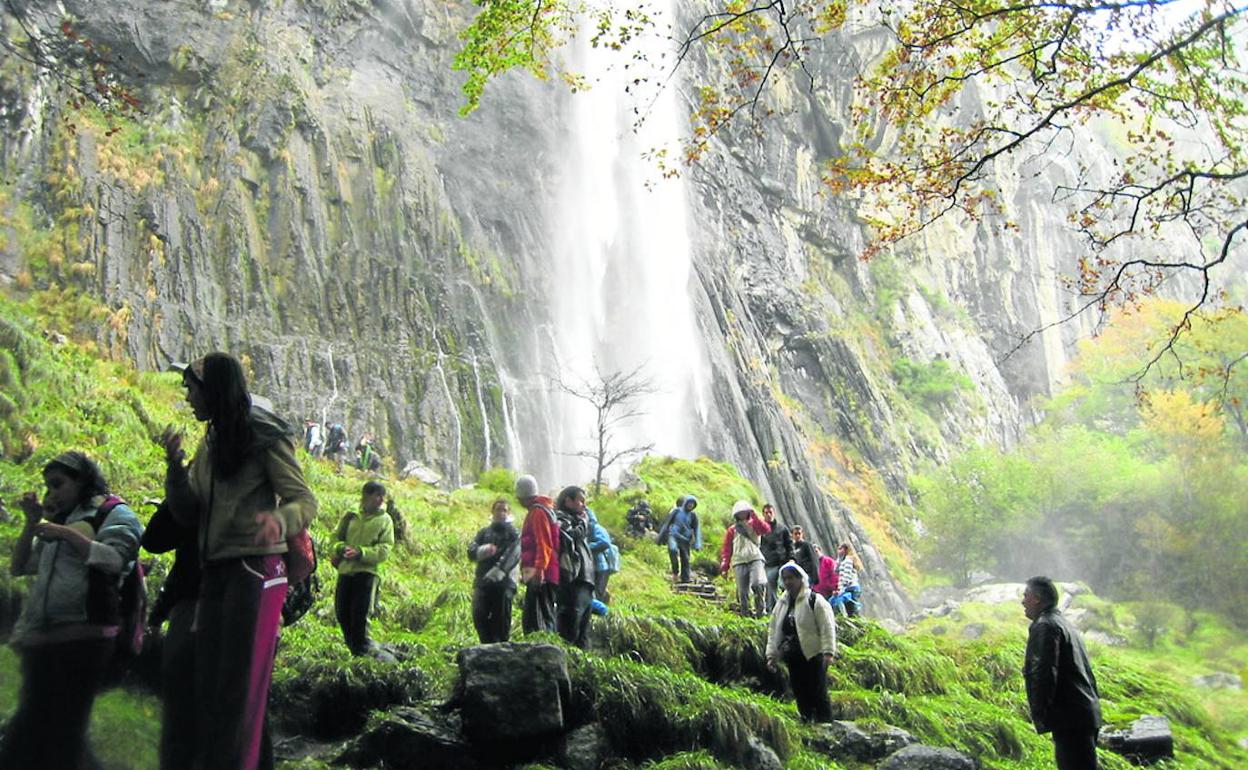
361 544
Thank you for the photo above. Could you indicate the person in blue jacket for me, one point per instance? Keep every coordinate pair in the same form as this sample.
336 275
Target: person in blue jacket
681 532
606 556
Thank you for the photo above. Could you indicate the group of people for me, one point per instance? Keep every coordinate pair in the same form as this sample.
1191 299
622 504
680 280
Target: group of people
330 441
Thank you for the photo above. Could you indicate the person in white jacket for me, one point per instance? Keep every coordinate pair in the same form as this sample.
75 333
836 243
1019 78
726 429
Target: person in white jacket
802 634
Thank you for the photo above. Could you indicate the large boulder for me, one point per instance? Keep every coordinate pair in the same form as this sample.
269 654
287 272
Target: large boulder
920 757
512 692
406 737
1146 741
842 740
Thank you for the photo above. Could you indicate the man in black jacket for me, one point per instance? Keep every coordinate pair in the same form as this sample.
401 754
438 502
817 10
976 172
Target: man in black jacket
496 551
777 547
1061 689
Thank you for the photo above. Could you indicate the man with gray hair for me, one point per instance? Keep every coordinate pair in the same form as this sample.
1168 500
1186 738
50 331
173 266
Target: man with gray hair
539 557
1061 689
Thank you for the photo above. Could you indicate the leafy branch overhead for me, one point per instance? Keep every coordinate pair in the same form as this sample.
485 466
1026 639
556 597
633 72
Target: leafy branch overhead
967 100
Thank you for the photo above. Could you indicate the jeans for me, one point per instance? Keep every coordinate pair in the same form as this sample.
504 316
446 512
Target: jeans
809 679
750 579
574 599
491 612
353 599
679 556
539 608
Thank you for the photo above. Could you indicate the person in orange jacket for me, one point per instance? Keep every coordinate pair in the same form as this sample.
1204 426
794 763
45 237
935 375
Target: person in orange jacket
539 557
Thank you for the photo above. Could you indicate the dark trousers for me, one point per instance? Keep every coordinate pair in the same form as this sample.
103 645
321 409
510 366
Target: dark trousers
1074 749
600 585
491 612
59 682
353 599
539 608
236 626
574 600
177 689
809 680
680 561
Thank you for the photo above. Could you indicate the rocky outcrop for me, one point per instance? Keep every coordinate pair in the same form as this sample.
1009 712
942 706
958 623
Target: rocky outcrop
920 757
512 692
1146 741
849 740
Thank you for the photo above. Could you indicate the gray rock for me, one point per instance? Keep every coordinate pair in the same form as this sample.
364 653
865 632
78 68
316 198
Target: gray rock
512 691
414 470
406 737
1219 680
920 757
756 755
892 626
973 630
839 740
1146 741
585 748
1105 638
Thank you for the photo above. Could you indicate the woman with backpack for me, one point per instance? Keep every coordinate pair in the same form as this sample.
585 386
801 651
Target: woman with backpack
802 634
79 543
244 492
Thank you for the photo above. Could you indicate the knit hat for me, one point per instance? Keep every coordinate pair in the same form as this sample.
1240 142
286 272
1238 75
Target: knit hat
526 487
740 506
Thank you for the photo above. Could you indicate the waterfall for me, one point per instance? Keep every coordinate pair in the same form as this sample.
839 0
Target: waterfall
622 263
457 450
485 416
506 386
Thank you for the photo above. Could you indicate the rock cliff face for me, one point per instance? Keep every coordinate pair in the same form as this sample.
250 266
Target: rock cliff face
299 190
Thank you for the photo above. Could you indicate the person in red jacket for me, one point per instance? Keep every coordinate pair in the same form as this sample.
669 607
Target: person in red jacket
742 553
828 579
539 557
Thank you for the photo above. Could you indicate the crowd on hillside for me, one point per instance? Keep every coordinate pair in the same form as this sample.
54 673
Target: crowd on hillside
236 516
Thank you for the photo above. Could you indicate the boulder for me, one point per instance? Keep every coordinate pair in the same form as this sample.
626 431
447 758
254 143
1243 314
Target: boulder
1105 638
585 748
1219 680
406 737
512 692
920 757
1146 741
756 755
840 740
414 470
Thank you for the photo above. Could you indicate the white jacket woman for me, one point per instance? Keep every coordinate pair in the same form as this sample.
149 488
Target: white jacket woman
802 634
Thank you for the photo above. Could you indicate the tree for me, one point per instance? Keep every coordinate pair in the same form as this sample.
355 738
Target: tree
1042 70
613 397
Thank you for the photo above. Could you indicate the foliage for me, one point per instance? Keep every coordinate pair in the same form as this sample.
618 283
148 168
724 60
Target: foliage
933 384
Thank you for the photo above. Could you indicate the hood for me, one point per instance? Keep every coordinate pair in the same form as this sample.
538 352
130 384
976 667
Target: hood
689 499
792 565
267 428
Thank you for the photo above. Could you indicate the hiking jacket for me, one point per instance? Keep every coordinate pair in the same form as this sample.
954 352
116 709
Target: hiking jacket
539 540
506 559
606 555
804 555
74 597
829 581
846 573
682 527
224 510
371 533
743 550
576 561
777 545
1061 689
816 625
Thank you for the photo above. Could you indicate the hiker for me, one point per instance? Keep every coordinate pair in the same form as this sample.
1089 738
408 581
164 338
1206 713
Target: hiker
313 438
848 565
680 533
576 567
802 633
176 603
606 556
336 444
640 519
828 579
804 554
741 552
367 457
539 557
496 552
66 633
361 543
244 492
777 548
1061 688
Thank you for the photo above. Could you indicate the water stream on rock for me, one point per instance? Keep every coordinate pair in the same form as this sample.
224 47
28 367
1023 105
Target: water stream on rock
622 267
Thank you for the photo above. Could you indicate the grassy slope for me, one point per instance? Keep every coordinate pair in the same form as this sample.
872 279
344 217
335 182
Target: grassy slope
676 669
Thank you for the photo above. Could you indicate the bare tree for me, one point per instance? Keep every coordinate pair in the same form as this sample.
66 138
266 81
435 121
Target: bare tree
614 398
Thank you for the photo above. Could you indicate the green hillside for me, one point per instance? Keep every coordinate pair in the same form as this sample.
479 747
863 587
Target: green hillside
680 672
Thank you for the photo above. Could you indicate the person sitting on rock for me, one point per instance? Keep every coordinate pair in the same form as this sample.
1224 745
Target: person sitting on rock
640 519
802 634
848 565
496 551
361 543
741 552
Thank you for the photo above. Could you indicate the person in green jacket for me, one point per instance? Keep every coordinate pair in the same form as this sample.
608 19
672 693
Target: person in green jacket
361 543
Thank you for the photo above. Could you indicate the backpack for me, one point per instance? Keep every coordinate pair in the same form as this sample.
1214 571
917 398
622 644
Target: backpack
304 586
132 604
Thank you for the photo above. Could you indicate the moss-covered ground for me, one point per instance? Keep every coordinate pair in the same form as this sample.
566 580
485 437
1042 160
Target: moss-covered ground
678 670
